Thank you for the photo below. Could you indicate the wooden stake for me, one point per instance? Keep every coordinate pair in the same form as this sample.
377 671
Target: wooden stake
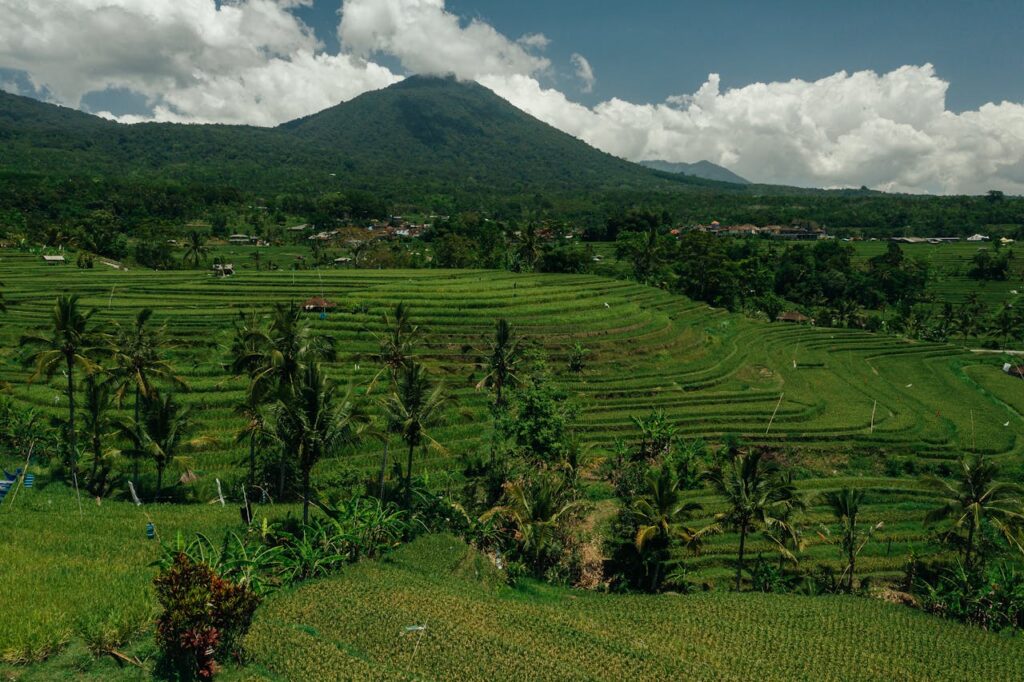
774 412
873 408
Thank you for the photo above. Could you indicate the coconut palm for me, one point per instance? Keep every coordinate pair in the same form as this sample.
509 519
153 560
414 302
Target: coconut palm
413 406
72 344
97 422
255 433
534 510
662 515
277 356
756 496
396 343
138 355
161 433
845 506
314 422
138 359
529 247
195 249
503 358
976 498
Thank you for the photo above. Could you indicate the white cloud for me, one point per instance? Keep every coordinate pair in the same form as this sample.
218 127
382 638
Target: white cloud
584 71
889 131
248 61
253 61
430 40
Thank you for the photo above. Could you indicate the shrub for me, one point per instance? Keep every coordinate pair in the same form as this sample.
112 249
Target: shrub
204 616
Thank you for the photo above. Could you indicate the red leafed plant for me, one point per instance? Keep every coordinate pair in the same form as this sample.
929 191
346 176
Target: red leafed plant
203 617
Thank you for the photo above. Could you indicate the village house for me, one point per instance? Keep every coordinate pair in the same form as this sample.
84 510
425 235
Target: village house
1014 370
54 260
223 269
794 317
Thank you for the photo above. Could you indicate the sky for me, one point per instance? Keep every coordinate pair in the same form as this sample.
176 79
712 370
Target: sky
902 95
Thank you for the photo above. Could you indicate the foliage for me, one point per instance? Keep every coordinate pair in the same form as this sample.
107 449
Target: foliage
204 616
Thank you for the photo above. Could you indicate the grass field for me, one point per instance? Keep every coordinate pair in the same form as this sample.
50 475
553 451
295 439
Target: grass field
845 407
948 267
852 404
364 624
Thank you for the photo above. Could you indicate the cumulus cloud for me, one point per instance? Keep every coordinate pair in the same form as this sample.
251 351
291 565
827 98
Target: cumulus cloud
430 40
584 72
254 61
249 61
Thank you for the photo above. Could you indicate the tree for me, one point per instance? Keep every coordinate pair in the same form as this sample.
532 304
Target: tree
195 249
138 361
255 433
535 508
756 496
662 514
72 345
276 356
97 422
395 344
413 406
647 251
160 434
845 507
528 248
974 499
314 422
504 356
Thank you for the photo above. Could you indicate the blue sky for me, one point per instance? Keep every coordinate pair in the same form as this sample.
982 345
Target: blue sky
650 49
903 95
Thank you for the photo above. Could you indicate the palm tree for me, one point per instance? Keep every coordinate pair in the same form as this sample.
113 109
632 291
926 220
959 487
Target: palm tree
138 361
976 498
160 434
756 496
505 354
195 249
314 422
661 514
253 409
534 509
395 344
845 507
72 344
277 356
413 406
529 246
98 421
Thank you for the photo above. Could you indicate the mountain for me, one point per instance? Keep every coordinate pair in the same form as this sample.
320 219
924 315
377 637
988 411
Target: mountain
419 137
701 169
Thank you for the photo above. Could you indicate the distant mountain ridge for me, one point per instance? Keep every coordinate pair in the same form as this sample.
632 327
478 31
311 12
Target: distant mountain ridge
701 169
419 137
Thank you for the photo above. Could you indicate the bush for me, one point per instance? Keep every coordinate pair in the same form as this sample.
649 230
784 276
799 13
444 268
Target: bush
204 617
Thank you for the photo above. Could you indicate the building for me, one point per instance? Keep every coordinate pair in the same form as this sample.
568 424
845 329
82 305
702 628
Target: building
1014 370
239 239
54 260
794 317
223 269
978 238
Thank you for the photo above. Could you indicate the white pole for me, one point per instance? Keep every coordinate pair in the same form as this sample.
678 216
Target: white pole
875 407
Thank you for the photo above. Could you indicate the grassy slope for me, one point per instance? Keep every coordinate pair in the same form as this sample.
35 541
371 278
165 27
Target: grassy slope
353 626
712 373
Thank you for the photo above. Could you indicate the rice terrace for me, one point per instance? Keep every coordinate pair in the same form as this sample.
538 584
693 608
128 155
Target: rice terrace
456 365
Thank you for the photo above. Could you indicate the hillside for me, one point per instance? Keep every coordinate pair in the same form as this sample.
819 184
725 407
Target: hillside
701 169
365 624
419 136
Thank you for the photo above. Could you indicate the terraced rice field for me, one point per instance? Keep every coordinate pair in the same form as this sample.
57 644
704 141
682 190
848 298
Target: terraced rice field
825 397
949 265
430 613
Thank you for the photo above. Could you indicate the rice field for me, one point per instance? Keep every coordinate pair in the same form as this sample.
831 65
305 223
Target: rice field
430 612
845 407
